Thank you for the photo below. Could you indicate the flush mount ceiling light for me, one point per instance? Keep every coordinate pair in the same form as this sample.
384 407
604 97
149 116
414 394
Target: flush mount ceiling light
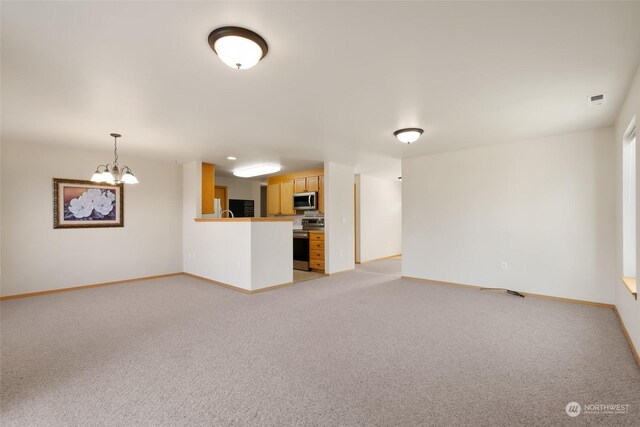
238 47
408 135
256 170
232 158
112 173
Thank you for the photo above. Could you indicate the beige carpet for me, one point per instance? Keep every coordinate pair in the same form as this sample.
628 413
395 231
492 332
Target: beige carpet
359 348
389 267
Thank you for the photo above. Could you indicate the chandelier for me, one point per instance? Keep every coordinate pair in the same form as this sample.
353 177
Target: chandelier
112 173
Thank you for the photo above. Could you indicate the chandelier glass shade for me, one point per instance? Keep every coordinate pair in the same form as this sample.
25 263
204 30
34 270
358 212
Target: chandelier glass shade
112 173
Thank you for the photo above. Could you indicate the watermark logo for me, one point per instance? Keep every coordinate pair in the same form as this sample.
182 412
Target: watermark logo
606 408
573 409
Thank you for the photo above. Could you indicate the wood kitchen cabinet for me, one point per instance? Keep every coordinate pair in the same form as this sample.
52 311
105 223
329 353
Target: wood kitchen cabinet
273 199
316 251
321 194
300 185
286 198
312 183
304 185
281 188
280 198
208 187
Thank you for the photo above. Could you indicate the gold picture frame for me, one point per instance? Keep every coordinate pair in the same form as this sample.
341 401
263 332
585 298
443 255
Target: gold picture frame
87 204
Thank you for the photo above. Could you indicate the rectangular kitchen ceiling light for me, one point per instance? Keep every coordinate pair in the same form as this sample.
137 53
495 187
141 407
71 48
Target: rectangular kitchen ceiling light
256 170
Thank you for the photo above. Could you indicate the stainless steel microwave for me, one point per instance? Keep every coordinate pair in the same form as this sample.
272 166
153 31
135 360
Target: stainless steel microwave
305 201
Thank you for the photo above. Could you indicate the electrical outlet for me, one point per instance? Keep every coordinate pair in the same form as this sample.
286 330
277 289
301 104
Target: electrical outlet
344 221
341 253
505 265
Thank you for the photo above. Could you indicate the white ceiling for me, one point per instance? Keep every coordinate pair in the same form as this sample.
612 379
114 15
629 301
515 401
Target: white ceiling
339 78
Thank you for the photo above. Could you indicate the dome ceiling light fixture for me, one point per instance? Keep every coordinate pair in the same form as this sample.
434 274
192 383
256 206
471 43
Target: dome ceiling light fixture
112 173
408 135
238 47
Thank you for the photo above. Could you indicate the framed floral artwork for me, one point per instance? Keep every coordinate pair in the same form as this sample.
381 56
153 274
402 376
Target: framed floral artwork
86 204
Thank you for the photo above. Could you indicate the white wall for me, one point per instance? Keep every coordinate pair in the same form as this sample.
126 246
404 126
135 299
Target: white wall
271 254
628 308
546 206
244 189
36 257
339 217
378 218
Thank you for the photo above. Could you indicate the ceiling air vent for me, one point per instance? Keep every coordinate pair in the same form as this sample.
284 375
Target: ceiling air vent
596 99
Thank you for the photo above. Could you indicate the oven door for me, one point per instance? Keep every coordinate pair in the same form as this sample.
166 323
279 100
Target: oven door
304 201
301 250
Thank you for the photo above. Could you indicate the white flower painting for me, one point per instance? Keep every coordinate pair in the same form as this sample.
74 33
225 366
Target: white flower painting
92 204
89 205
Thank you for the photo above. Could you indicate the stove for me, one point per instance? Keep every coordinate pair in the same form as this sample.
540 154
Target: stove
301 241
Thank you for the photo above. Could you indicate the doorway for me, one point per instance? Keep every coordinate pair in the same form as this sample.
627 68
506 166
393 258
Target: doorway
378 221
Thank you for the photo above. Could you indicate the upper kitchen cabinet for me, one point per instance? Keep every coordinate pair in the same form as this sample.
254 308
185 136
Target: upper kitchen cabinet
312 183
300 185
286 198
208 187
307 184
321 194
273 199
280 198
281 188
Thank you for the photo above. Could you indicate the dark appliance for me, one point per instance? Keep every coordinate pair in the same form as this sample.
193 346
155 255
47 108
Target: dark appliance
300 250
242 208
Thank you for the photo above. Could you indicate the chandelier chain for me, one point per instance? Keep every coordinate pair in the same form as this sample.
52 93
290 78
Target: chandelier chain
115 151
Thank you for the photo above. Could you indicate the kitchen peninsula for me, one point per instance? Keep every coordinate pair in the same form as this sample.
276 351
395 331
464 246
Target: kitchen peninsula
248 254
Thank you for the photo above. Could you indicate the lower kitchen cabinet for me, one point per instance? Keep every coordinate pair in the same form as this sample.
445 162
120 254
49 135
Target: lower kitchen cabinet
316 251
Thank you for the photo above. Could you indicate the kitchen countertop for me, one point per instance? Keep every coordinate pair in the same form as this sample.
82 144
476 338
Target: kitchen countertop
243 219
